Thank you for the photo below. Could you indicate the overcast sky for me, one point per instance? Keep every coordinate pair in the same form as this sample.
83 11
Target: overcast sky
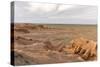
30 12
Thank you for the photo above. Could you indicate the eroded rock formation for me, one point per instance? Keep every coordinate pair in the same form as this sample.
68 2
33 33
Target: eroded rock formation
84 47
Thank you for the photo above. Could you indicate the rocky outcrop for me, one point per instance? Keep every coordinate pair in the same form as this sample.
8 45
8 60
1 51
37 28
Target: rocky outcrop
84 47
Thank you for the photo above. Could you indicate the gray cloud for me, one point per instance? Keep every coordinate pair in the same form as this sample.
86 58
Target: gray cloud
29 12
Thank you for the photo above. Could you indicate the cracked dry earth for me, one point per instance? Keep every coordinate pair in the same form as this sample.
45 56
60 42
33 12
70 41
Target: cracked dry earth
43 44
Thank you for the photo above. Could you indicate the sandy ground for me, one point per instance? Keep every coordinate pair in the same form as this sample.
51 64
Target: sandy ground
38 44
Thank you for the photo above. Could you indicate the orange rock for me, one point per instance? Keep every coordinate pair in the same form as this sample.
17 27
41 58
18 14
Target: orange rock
82 46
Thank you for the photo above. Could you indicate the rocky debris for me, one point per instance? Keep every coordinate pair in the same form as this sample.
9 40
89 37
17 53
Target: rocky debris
84 47
50 45
80 49
20 59
25 57
40 44
23 40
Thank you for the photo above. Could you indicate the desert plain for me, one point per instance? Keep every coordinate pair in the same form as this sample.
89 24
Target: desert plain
33 44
